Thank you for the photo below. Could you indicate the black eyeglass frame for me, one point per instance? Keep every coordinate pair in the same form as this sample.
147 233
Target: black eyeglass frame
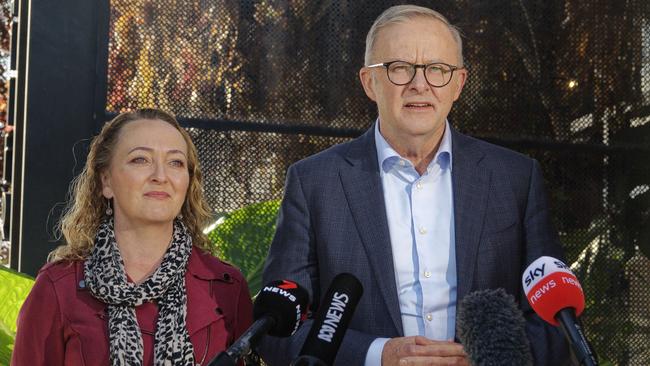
386 65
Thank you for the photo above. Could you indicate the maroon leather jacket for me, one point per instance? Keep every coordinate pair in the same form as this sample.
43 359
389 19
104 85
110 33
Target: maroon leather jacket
61 323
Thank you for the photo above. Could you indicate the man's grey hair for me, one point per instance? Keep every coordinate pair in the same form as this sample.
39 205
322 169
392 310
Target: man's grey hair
403 13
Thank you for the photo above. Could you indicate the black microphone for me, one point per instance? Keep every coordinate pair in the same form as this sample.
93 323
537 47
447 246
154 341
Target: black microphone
279 308
331 322
492 329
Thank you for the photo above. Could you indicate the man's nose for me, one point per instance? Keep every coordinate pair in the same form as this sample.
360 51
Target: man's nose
419 81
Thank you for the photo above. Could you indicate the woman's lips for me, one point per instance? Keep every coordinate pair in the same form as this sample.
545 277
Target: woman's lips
157 195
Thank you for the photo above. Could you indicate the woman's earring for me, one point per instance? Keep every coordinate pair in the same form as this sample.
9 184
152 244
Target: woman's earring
109 210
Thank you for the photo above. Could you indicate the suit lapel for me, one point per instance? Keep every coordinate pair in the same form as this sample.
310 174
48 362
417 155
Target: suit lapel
471 183
362 186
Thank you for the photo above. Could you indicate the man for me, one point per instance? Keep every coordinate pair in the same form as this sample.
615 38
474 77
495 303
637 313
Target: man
420 213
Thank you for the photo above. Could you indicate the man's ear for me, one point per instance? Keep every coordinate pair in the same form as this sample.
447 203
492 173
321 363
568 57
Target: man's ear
461 77
367 80
107 191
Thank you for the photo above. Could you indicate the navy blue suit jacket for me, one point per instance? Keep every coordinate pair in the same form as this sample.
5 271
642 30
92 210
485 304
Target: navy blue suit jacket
333 220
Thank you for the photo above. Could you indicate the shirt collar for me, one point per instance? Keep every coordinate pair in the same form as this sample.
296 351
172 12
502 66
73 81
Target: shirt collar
387 157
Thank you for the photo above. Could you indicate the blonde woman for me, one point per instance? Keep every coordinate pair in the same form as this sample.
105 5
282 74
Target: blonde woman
134 284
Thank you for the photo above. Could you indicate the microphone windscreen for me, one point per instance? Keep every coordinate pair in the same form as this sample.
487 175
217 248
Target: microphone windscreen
550 286
332 319
492 329
284 301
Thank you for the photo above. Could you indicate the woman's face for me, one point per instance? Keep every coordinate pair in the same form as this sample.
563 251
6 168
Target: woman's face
148 176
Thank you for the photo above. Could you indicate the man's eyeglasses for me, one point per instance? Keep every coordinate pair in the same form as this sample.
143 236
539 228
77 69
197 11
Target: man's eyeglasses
437 74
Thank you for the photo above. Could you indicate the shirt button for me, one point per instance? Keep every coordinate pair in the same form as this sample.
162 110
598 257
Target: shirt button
427 274
422 230
402 162
418 185
429 317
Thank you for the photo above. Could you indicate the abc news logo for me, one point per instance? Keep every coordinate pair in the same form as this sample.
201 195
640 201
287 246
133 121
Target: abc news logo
333 316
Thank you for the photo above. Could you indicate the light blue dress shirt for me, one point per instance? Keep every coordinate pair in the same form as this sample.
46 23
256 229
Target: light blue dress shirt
420 216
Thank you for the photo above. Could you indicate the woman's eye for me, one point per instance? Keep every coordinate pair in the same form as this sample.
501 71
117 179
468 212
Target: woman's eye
139 160
178 163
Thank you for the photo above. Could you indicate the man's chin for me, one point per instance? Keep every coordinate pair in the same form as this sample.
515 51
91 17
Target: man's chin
421 122
423 129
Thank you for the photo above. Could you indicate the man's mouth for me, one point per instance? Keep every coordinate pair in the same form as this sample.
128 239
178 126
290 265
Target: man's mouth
418 105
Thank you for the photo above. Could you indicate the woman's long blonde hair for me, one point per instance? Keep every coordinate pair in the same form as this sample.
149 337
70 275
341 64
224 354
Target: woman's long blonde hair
87 206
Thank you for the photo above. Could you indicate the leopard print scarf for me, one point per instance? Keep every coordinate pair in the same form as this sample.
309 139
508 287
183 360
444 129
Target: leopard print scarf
105 277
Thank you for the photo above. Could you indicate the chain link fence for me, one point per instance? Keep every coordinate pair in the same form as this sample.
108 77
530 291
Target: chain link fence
261 84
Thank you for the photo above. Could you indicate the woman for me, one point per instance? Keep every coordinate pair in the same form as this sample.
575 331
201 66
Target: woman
134 285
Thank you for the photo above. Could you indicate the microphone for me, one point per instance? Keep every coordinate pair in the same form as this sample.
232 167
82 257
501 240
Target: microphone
331 322
278 309
555 294
492 329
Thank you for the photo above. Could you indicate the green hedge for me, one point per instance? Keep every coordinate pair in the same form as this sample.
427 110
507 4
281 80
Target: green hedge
243 237
14 287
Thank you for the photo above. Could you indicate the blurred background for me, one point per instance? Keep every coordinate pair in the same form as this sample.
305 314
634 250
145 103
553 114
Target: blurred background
262 84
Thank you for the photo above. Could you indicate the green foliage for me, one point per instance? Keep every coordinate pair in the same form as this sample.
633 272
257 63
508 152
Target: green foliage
14 287
6 344
243 237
